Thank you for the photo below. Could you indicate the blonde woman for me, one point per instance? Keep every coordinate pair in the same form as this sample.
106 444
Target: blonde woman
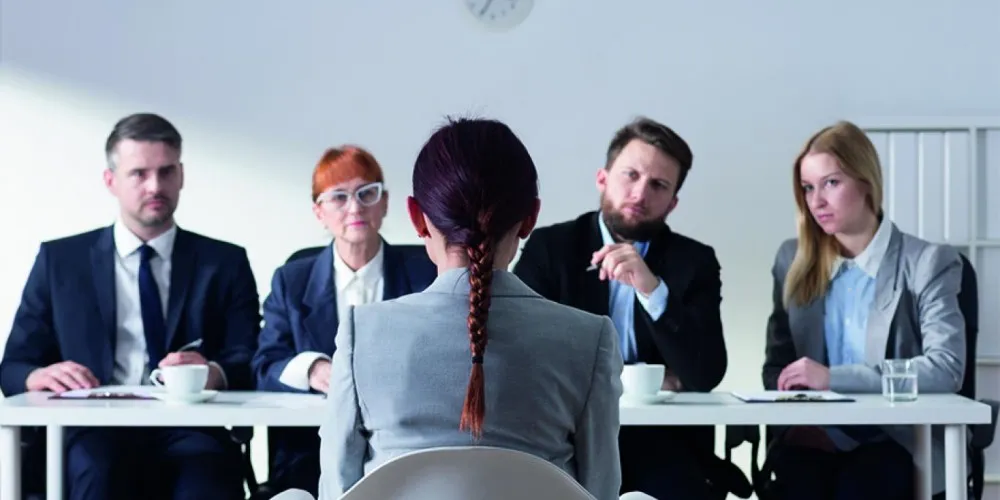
849 292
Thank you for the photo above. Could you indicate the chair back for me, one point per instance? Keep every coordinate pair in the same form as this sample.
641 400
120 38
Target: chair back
467 473
968 303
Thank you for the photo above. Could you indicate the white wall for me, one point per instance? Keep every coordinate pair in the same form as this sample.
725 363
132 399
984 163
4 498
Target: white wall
259 88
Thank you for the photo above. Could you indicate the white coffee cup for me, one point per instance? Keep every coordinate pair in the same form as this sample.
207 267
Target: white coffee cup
181 379
642 379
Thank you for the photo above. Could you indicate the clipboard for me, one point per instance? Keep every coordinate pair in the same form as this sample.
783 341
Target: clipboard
792 397
124 393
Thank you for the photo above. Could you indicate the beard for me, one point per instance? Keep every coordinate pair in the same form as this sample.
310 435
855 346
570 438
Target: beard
622 228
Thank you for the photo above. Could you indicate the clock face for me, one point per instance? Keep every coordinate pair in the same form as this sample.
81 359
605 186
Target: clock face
499 15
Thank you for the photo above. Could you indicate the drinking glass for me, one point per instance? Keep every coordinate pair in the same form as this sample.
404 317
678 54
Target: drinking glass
899 380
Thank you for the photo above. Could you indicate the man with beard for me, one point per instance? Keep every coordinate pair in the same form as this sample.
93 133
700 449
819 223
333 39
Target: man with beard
662 291
108 306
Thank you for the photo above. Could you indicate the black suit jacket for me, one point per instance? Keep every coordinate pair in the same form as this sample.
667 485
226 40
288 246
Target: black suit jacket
68 308
687 338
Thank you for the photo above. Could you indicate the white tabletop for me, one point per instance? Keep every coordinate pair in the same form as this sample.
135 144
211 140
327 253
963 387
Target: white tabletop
722 408
246 409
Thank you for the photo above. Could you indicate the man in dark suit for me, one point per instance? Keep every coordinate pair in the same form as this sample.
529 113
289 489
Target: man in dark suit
662 291
108 306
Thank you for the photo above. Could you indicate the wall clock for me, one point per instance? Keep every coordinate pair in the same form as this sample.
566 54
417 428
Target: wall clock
499 15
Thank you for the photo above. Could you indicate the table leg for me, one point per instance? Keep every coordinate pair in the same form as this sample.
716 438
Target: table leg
10 463
54 462
956 476
922 461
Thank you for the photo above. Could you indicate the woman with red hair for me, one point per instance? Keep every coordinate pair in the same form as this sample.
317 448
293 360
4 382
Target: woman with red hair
310 294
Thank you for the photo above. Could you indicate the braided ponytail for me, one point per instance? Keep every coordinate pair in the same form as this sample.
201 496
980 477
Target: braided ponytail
480 278
475 182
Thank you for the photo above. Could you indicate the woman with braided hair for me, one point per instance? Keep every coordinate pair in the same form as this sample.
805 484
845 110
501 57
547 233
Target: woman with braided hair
477 358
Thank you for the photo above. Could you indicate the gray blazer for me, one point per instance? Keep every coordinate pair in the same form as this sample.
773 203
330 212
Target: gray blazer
401 367
915 315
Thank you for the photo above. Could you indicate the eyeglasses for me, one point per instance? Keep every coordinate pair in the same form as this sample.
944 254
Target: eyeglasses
366 195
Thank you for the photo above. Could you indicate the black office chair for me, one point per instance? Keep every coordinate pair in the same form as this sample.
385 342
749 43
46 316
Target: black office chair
982 435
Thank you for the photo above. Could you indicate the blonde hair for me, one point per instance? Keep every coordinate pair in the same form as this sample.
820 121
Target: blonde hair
809 275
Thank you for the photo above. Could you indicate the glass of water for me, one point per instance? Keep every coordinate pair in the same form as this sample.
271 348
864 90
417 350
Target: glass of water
899 380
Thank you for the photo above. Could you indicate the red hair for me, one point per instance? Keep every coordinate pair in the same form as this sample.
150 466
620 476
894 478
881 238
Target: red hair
342 164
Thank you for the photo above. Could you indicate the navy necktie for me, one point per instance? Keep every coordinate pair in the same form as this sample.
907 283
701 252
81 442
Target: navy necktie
152 309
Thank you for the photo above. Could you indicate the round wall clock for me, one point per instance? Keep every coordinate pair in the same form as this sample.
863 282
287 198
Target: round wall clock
499 15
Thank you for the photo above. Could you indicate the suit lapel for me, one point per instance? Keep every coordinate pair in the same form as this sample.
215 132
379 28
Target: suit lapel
183 262
393 273
887 294
102 264
808 326
595 293
320 299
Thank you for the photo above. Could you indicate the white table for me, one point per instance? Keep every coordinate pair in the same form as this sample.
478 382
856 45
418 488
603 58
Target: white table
248 409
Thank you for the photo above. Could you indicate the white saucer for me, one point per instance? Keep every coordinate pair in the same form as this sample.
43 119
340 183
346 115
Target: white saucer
194 397
649 399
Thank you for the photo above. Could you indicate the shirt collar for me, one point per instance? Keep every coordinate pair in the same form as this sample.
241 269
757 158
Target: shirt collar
127 243
870 259
368 274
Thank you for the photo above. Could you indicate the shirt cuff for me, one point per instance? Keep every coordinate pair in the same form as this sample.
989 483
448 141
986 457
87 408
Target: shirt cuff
296 372
222 375
656 303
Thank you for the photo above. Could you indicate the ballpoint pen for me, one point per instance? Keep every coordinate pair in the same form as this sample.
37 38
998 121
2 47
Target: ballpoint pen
193 346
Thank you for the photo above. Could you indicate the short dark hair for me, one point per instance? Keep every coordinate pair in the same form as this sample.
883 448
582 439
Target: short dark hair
657 135
143 127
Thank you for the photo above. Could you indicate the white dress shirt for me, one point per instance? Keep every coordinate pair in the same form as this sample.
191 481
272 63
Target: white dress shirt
131 356
354 288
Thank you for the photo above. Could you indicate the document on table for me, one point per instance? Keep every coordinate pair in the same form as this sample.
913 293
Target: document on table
792 397
109 392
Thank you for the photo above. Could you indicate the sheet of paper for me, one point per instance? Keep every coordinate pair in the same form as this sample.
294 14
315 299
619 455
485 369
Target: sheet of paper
791 397
110 392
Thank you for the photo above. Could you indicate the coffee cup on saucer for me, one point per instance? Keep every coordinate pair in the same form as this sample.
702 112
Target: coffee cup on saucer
642 382
182 383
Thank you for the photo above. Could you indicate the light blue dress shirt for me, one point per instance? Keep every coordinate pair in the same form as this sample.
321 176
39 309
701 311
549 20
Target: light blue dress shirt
622 301
849 299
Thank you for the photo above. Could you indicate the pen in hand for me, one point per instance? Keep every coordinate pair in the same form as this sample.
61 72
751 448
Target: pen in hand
193 346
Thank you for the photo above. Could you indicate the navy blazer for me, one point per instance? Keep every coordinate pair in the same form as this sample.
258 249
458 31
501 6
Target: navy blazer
300 313
68 307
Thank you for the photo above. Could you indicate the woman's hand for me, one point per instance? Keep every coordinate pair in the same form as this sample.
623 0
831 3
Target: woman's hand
319 375
804 374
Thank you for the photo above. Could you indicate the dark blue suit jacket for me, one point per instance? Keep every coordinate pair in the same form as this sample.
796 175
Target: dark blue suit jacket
68 308
300 314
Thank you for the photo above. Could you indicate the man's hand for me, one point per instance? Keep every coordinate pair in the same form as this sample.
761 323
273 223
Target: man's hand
804 374
215 377
671 382
319 375
621 262
61 377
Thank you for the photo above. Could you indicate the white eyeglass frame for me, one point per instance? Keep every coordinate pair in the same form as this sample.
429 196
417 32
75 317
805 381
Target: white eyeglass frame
326 196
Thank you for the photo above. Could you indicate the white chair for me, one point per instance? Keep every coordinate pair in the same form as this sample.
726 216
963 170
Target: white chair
462 473
467 473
